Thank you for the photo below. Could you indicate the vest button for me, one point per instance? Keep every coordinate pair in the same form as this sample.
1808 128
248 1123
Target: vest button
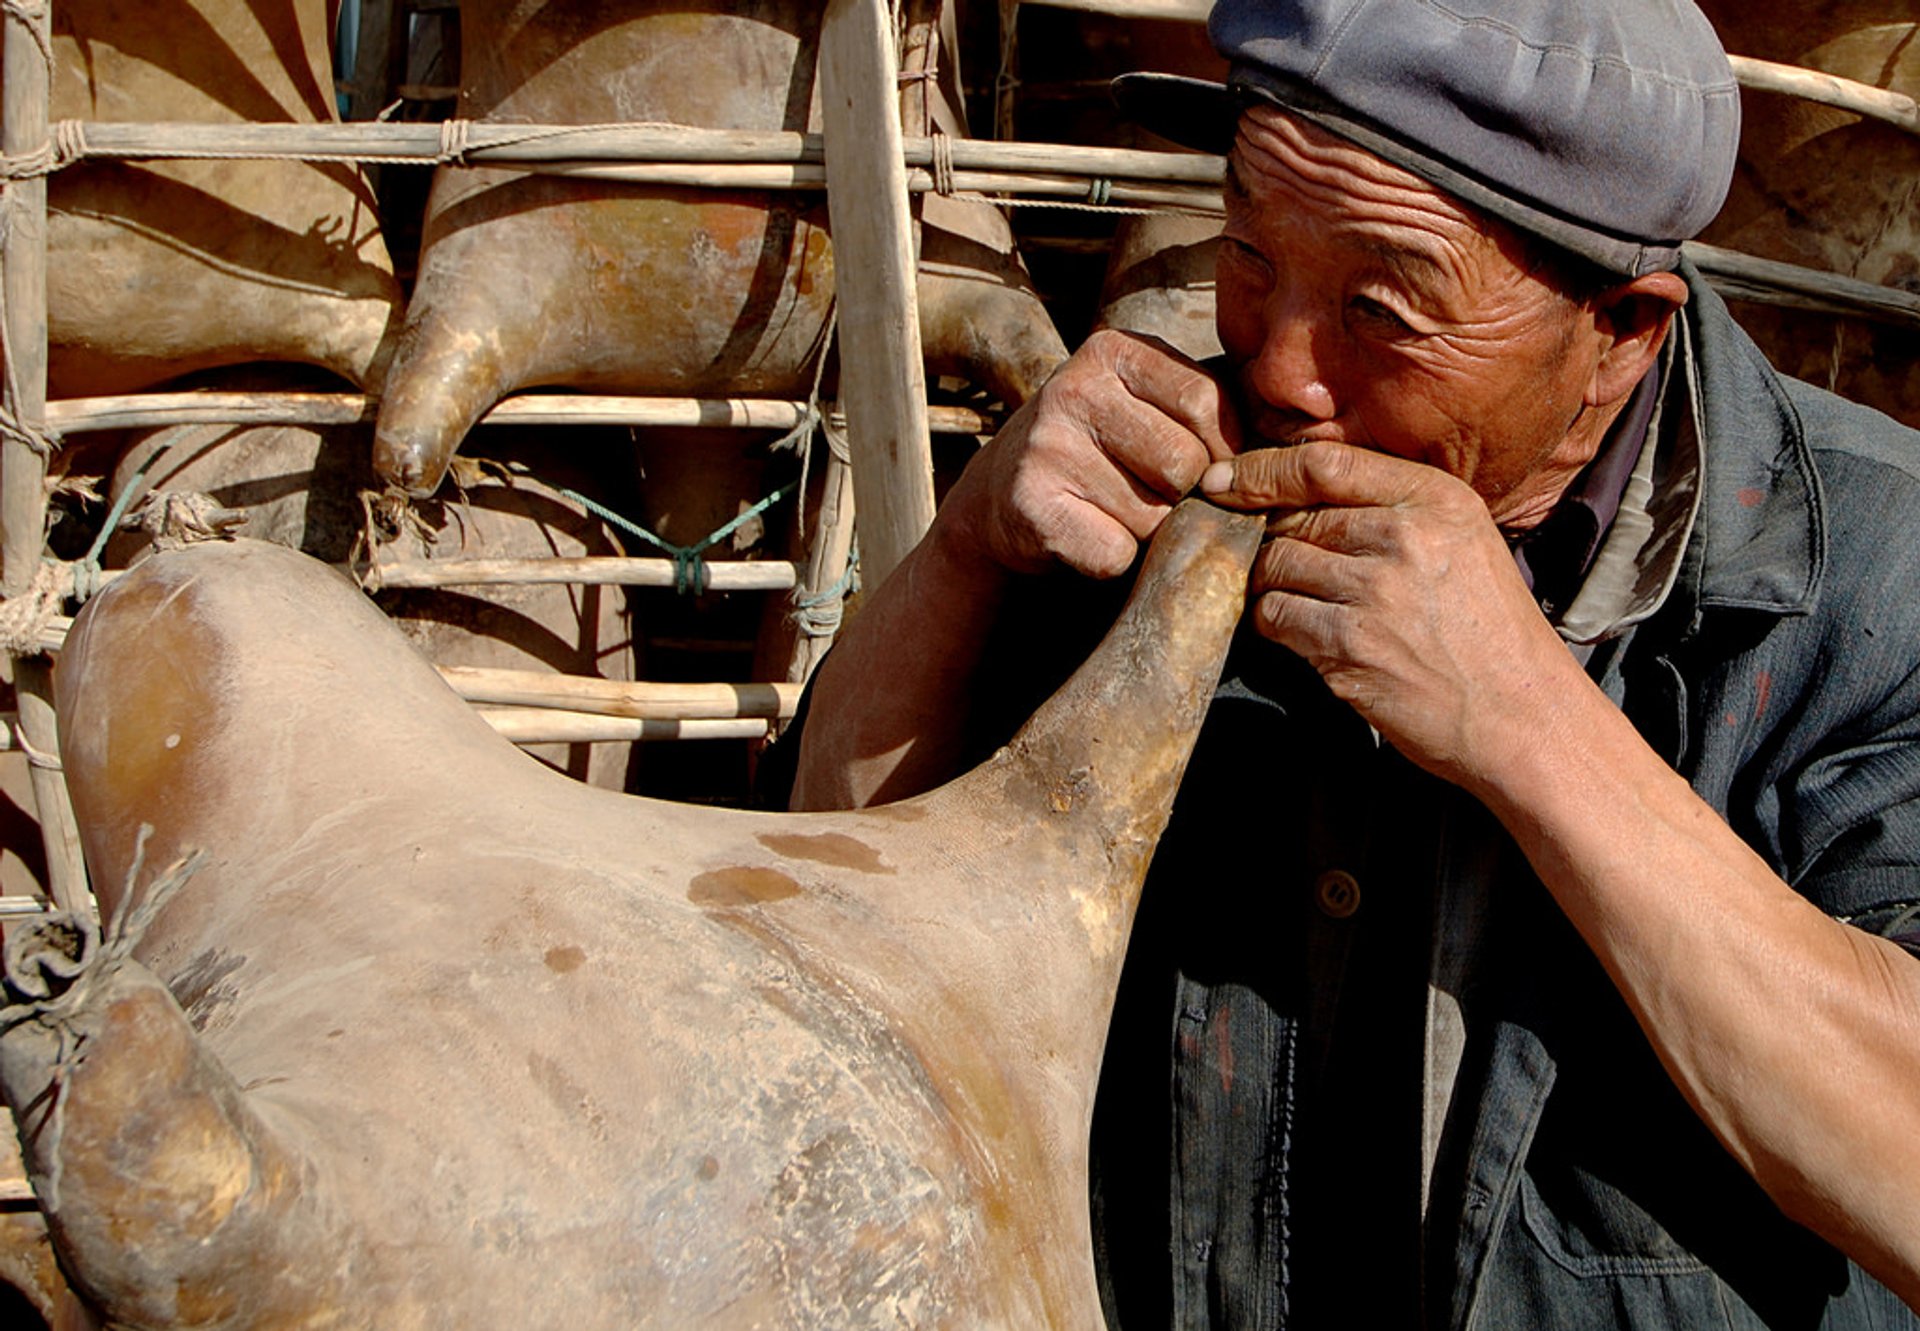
1337 893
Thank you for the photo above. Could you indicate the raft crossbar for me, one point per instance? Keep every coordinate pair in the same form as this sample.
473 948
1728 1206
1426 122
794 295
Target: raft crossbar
531 707
149 410
1134 178
493 143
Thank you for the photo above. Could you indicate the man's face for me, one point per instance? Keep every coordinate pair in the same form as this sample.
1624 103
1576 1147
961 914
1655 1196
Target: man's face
1360 304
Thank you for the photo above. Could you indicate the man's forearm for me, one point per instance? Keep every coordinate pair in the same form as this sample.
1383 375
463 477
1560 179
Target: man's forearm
1796 1037
889 708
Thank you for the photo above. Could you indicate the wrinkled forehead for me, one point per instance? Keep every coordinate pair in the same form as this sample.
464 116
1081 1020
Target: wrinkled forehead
1281 163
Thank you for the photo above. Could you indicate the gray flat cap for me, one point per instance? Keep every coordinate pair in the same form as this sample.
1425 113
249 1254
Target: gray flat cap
1608 127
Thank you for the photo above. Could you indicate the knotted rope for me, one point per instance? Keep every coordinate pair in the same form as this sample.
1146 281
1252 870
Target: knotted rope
819 616
942 161
55 965
27 619
689 564
171 519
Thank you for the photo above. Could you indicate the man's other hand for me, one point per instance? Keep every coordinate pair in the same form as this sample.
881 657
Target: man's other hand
1091 466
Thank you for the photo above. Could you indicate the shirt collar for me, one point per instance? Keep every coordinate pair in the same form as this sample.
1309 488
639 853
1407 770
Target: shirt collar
1554 556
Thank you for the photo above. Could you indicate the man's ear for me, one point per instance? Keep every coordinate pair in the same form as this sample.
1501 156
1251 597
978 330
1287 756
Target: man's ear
1631 321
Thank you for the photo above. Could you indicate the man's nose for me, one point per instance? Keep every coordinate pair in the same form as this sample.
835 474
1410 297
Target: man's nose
1289 373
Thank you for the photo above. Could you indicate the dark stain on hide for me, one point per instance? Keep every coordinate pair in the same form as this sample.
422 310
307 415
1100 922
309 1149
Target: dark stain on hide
201 988
709 1169
741 886
567 1095
561 960
834 848
1074 786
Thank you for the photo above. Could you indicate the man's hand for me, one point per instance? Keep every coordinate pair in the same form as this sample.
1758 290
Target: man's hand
1390 577
1091 466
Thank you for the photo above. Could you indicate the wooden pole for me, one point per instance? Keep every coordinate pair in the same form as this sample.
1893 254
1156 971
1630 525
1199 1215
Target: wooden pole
1035 184
146 410
1743 277
1829 90
26 67
526 725
534 147
723 575
882 381
23 466
827 557
639 699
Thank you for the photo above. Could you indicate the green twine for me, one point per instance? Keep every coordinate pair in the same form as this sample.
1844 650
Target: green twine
689 569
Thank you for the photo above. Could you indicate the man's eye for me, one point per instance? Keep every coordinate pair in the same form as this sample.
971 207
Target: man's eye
1247 257
1379 316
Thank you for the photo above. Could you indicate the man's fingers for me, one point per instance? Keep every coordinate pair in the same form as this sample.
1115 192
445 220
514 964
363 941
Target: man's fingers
1289 565
1304 475
1091 541
1167 382
1155 449
1092 464
1302 624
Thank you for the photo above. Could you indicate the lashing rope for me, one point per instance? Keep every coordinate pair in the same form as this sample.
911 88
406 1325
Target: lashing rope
689 566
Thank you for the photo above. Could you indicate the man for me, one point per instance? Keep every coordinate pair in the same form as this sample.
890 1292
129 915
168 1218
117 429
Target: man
1532 945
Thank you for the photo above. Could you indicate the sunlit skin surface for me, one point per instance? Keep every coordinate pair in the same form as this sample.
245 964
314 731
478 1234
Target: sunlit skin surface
1359 304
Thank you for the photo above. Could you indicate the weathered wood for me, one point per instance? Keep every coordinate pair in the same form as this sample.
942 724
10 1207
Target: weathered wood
525 725
146 410
23 457
828 555
1829 90
746 175
1745 277
882 380
561 145
771 575
641 700
427 143
23 213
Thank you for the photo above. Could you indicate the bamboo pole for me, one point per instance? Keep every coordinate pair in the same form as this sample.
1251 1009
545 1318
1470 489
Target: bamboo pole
757 575
1744 277
1829 90
26 71
524 725
23 210
1094 191
564 146
882 379
641 700
146 410
481 141
828 556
